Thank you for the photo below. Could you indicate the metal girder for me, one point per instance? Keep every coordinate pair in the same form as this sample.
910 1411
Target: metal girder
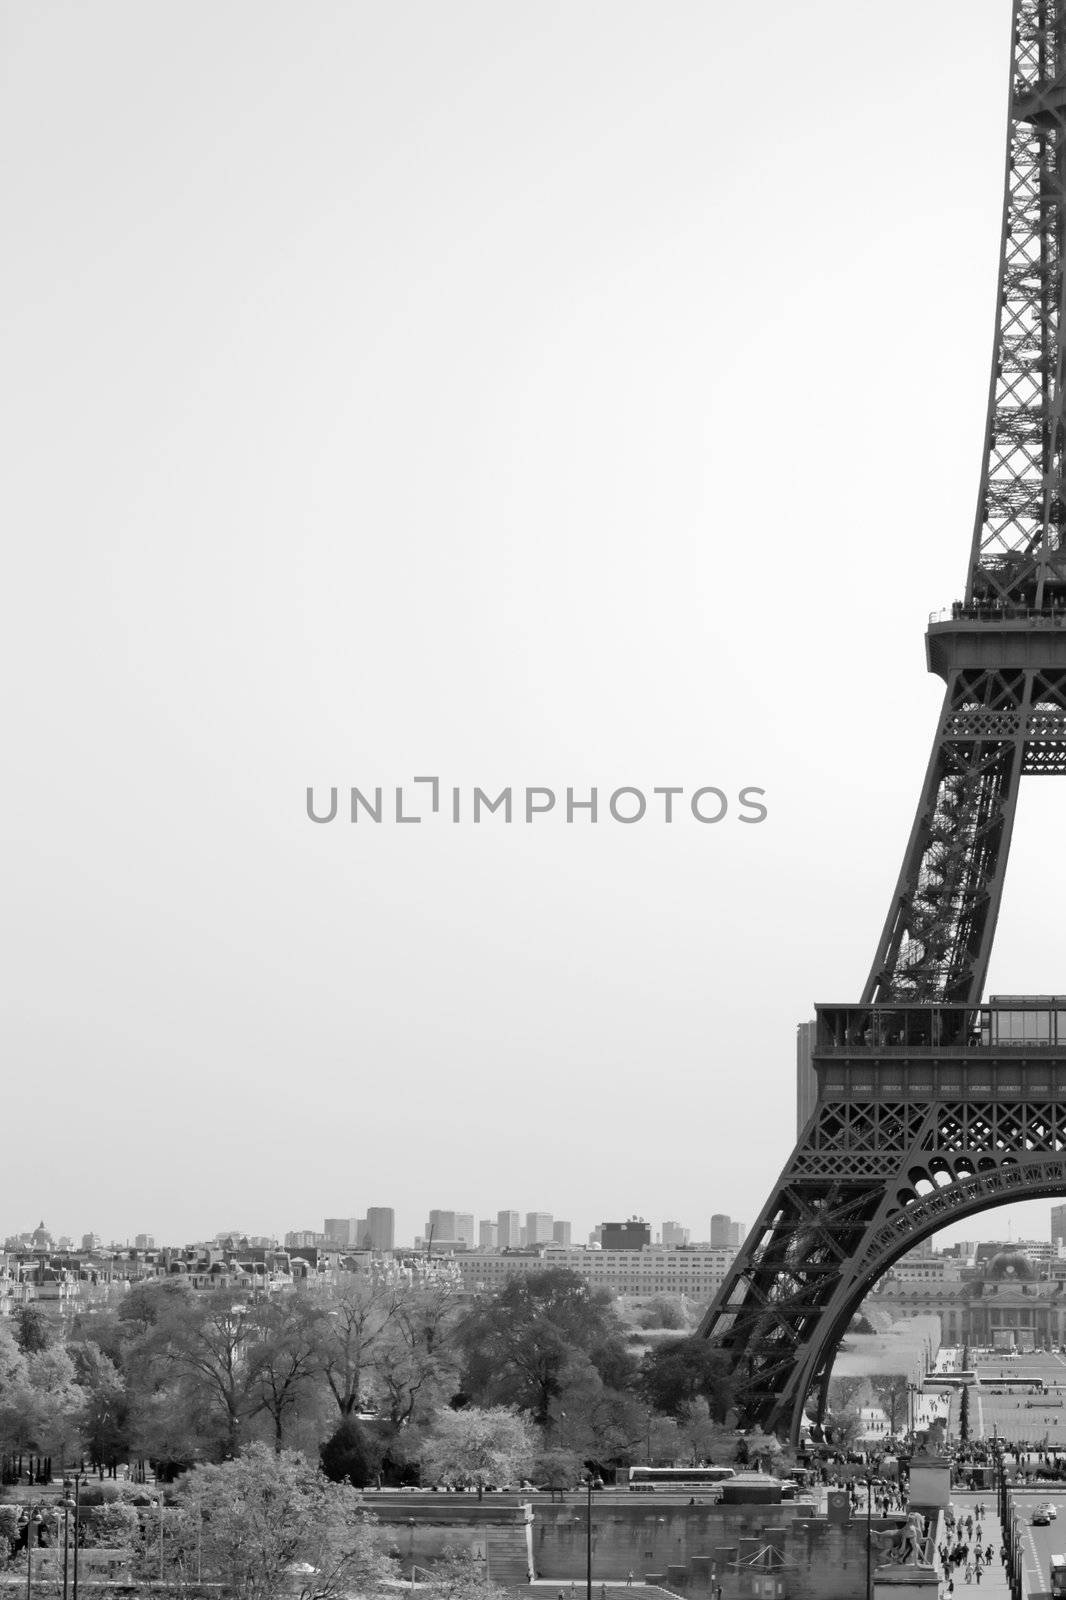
824 1239
1018 551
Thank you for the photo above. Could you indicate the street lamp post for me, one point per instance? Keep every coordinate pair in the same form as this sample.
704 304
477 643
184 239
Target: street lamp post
77 1527
32 1522
588 1537
68 1505
869 1536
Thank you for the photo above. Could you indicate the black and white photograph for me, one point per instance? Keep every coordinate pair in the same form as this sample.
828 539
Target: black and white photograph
535 598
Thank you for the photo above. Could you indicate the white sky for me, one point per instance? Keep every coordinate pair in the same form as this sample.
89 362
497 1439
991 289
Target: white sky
555 394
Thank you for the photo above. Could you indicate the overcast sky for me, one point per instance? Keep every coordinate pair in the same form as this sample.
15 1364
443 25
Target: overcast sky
558 394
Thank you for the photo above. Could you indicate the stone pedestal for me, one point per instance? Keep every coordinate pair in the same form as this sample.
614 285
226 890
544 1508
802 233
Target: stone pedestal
905 1583
930 1485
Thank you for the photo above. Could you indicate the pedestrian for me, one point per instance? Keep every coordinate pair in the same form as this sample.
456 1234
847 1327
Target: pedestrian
629 1580
977 1573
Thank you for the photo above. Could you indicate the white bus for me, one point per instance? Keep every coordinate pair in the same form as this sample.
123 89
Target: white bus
647 1479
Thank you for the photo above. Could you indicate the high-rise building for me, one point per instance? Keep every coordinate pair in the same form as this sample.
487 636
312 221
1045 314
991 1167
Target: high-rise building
737 1234
90 1242
1058 1225
442 1226
561 1232
381 1225
508 1230
144 1241
720 1225
464 1222
451 1227
362 1234
806 1077
341 1230
538 1227
631 1235
487 1235
596 1237
674 1234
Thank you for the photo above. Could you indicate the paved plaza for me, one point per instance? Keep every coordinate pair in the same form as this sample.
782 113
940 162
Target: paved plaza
1001 1407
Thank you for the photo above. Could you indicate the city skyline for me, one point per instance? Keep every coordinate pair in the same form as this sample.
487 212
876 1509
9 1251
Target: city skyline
1028 1220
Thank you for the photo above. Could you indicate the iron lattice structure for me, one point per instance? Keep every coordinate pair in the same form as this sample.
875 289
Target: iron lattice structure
929 1107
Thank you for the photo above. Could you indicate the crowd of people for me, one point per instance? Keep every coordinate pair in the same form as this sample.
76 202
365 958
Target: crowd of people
964 1552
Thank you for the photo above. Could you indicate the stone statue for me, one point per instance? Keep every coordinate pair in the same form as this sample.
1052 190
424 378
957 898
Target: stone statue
903 1546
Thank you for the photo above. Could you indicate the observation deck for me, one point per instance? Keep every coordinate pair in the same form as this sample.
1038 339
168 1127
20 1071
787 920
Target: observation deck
998 637
1012 1045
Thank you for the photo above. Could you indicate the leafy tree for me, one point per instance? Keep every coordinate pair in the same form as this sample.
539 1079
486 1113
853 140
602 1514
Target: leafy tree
106 1410
353 1326
284 1358
663 1312
595 1420
205 1340
58 1403
113 1527
460 1575
891 1395
170 1426
265 1524
676 1375
702 1438
415 1367
146 1303
347 1456
964 1414
34 1329
475 1448
557 1470
518 1345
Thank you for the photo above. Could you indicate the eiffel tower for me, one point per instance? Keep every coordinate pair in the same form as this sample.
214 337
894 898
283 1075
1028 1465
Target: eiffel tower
932 1106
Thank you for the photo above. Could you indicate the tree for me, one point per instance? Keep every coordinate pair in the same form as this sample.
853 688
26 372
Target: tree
675 1375
284 1358
352 1326
891 1392
414 1367
34 1329
346 1455
702 1438
460 1575
106 1410
964 1414
115 1526
206 1340
517 1345
557 1470
474 1448
260 1522
58 1403
663 1312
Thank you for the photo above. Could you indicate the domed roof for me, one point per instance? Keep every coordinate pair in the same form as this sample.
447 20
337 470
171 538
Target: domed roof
1011 1266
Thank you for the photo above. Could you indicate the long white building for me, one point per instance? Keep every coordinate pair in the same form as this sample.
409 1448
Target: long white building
695 1271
